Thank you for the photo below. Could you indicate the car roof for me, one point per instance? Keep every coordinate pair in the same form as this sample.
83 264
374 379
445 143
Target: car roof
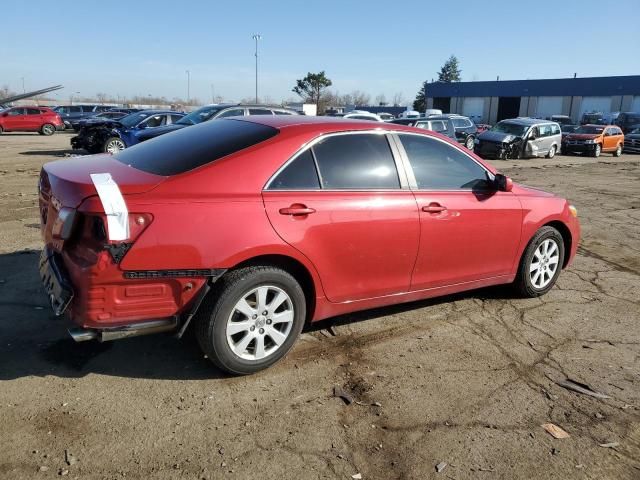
526 121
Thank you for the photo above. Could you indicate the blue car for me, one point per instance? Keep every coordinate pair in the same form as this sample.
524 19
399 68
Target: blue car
112 136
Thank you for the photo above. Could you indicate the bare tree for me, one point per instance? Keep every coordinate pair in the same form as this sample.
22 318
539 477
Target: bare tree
360 98
397 99
381 99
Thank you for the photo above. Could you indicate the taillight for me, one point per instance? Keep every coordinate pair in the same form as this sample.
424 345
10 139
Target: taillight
63 225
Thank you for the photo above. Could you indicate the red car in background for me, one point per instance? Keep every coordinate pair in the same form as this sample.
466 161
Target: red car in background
30 119
254 226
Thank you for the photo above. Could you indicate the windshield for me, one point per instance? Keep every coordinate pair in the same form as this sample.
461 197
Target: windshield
633 118
568 128
510 128
635 131
590 129
201 115
133 119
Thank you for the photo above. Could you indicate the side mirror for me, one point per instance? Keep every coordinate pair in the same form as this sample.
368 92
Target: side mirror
503 183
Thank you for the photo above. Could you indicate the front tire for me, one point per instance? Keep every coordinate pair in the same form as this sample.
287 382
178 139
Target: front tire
541 263
596 151
552 152
251 319
113 145
47 129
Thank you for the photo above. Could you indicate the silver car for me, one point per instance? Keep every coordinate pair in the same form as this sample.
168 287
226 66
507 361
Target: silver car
520 138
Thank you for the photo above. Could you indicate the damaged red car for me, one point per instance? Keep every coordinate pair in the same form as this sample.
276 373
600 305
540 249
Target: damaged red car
248 228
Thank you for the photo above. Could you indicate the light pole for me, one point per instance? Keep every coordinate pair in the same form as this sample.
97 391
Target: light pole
256 37
71 99
188 85
213 97
23 90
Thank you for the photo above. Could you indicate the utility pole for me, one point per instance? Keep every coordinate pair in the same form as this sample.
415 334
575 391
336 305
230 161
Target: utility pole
188 86
256 37
23 90
213 97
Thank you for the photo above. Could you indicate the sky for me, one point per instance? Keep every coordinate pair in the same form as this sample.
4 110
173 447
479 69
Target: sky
141 47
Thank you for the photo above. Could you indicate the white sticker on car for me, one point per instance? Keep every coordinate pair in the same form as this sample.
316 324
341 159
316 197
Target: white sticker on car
114 206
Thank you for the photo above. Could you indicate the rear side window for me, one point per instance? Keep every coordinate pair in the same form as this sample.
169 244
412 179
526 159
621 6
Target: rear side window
439 166
195 146
300 174
33 111
259 111
360 161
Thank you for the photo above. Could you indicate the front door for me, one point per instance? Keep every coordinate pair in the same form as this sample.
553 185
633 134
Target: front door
341 204
16 119
469 231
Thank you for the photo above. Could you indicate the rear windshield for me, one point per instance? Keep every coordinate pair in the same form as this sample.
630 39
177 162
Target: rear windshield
192 147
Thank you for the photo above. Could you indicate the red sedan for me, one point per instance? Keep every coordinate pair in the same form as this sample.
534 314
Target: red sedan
252 227
30 119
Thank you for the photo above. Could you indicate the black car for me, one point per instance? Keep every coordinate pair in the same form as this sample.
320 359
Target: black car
628 121
632 141
98 118
210 112
71 114
465 130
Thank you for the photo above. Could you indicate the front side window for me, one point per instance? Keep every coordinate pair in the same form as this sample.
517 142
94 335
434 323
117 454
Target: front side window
358 161
300 174
544 130
75 110
259 111
155 121
236 112
439 166
16 111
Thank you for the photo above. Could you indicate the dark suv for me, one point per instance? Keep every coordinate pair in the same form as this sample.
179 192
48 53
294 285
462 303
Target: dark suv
465 130
219 110
628 121
71 114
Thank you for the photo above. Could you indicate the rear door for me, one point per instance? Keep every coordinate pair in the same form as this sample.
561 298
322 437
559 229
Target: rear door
345 205
33 119
468 231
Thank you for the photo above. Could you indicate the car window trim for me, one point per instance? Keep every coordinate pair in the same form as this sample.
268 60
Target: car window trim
395 153
413 184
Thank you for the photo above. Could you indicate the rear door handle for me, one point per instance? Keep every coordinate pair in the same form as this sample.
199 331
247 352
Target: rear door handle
433 208
296 210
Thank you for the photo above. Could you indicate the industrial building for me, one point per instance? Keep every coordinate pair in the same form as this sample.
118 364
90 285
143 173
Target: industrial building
489 102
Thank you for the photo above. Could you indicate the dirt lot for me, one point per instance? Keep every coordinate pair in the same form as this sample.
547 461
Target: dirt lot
467 380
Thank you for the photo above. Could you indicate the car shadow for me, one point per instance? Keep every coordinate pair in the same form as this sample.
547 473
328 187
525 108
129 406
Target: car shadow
55 153
35 343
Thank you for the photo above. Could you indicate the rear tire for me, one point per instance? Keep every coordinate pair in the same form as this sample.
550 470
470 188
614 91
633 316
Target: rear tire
618 151
540 264
47 129
232 327
552 152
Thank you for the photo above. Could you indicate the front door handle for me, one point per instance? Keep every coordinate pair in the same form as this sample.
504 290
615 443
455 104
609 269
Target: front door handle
433 208
297 209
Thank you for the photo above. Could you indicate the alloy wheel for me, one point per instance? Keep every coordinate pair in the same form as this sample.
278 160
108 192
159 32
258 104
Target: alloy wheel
115 146
544 263
47 130
470 143
260 322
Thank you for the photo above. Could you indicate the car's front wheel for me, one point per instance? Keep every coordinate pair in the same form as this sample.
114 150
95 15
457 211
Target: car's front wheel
541 263
113 145
251 319
596 151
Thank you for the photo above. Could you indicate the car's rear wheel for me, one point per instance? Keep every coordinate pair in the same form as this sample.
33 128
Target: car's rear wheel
251 319
541 263
113 145
552 152
596 151
618 151
470 142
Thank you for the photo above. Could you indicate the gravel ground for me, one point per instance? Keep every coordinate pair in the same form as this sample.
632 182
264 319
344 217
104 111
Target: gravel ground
466 379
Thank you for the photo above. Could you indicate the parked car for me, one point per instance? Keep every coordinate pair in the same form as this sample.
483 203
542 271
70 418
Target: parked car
98 118
632 141
482 127
372 117
561 119
211 112
253 227
409 122
386 117
30 119
73 113
443 126
628 121
432 111
410 114
593 140
111 136
591 118
520 138
465 130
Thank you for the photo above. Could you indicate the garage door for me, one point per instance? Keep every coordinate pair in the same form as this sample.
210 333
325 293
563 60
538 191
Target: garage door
595 104
548 106
473 107
635 105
